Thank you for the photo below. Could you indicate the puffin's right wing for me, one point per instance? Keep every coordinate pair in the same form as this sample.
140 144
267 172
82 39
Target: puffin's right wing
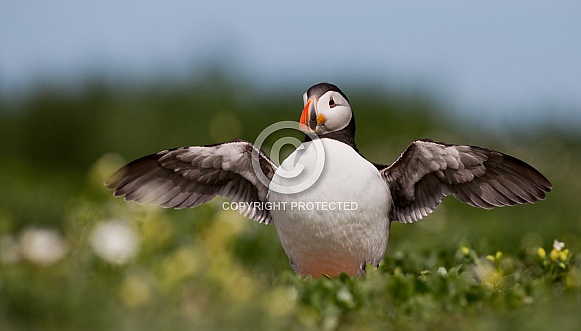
189 176
427 171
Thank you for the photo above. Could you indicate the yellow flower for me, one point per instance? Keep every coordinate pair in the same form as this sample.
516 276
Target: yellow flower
554 255
542 253
564 255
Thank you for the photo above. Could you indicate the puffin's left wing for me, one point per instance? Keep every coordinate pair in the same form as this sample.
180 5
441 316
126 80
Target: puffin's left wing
427 171
189 176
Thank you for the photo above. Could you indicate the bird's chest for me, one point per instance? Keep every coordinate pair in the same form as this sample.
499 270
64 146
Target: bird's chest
334 209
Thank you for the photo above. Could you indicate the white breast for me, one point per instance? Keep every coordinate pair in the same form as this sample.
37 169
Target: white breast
338 223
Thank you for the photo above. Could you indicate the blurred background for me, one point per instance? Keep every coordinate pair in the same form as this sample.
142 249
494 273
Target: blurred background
86 87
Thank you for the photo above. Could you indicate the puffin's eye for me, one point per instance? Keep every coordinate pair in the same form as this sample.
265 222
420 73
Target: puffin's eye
332 103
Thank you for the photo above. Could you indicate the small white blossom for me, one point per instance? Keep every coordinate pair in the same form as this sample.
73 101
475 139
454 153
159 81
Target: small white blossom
42 246
114 241
558 246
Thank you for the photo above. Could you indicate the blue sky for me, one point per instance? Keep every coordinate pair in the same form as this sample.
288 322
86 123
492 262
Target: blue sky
510 59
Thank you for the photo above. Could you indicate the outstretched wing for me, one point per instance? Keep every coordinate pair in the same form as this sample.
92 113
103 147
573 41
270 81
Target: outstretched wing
189 176
427 171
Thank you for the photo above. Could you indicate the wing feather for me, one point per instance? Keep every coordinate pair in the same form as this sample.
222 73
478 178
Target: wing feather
428 171
189 176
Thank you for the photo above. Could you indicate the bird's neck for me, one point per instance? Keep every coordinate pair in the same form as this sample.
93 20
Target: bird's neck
345 135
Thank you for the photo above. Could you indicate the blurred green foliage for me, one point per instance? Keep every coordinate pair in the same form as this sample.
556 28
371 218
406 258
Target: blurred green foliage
461 268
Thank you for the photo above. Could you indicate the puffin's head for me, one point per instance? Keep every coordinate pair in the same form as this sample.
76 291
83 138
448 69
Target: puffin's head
326 109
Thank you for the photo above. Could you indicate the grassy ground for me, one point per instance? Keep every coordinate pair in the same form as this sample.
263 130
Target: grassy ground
461 268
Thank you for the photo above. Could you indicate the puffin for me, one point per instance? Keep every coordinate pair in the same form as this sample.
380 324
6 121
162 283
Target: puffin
333 214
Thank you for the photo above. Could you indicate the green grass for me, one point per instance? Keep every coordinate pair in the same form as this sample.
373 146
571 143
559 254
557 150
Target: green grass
461 268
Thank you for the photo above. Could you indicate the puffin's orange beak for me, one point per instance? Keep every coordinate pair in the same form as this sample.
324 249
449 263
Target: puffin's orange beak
309 117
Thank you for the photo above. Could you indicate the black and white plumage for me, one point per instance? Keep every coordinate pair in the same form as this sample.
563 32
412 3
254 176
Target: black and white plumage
428 171
186 177
331 241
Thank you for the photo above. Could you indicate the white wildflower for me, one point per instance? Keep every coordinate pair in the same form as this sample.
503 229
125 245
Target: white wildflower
42 246
558 246
114 241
